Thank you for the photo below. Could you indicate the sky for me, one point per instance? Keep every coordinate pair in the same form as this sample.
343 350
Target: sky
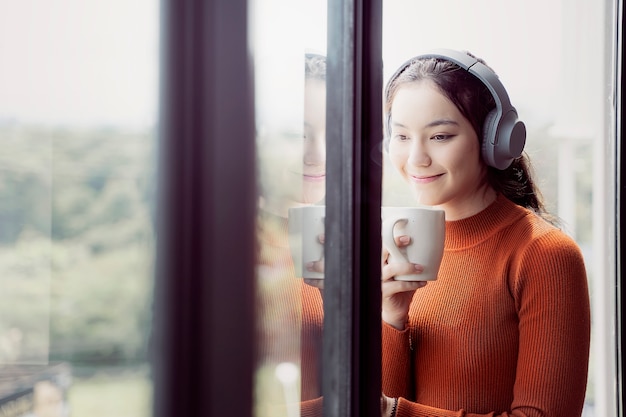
96 62
79 62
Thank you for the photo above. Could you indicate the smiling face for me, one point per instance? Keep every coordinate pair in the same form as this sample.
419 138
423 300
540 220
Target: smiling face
314 147
293 163
436 150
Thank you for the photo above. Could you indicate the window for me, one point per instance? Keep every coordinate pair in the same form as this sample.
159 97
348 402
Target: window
125 122
78 124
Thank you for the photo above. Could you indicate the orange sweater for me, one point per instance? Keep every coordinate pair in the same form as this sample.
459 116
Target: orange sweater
289 323
505 329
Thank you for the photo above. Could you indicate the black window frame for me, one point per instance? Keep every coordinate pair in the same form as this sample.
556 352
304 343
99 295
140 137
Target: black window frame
352 295
203 344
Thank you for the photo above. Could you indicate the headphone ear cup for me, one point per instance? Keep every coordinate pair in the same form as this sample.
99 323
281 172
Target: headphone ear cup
489 137
503 140
511 140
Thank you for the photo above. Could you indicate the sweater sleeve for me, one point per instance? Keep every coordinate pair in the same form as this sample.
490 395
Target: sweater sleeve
396 360
552 300
312 408
549 285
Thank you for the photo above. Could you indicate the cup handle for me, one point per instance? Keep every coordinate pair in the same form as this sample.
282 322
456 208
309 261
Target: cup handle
388 240
323 220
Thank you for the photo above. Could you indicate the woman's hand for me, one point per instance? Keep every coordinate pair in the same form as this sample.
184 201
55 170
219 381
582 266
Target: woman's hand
316 266
397 295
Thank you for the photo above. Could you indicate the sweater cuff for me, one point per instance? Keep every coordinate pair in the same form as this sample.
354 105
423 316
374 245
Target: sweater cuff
392 337
312 408
408 408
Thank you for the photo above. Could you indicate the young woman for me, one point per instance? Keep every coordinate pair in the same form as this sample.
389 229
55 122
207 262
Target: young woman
505 328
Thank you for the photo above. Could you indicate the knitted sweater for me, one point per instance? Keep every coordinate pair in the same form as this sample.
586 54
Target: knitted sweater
503 331
289 324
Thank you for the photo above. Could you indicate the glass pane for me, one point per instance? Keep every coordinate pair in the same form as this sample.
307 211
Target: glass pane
559 76
289 58
77 131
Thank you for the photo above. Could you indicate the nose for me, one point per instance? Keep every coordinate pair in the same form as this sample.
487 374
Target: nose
315 149
419 155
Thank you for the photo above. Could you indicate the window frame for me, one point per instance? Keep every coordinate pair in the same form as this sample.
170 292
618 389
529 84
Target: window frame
203 338
351 380
193 344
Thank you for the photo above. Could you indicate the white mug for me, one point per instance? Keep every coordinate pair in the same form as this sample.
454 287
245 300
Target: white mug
306 224
426 227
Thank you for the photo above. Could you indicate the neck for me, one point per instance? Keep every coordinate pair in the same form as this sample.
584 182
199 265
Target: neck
274 206
470 205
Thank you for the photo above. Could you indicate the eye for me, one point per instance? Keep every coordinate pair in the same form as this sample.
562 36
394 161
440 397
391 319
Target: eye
401 138
290 135
441 137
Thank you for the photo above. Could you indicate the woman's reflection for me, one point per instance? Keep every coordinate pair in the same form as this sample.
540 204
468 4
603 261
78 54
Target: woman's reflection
293 173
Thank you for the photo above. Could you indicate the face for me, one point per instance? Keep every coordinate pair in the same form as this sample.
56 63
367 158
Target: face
294 164
313 171
436 150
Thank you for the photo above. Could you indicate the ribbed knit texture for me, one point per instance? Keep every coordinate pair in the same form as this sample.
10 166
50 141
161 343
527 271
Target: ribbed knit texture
503 331
290 320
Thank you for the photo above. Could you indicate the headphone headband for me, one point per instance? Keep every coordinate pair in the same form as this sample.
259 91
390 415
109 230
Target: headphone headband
479 70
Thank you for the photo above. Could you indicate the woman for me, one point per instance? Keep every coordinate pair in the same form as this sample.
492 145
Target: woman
290 323
505 328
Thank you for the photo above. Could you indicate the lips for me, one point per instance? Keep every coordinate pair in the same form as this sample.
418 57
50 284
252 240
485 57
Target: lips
424 179
314 177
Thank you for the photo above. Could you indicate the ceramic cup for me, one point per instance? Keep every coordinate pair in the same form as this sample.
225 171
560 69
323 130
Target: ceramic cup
426 227
306 224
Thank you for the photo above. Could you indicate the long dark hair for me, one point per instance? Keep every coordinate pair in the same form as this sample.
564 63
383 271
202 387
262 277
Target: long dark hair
474 101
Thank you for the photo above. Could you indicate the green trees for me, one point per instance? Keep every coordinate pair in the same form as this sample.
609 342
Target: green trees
76 243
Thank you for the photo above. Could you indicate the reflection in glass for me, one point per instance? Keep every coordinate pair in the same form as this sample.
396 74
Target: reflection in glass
291 147
291 311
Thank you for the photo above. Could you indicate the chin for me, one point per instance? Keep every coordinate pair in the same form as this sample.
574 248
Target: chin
424 200
313 196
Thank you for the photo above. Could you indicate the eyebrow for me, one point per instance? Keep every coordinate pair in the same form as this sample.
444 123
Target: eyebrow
434 123
442 122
